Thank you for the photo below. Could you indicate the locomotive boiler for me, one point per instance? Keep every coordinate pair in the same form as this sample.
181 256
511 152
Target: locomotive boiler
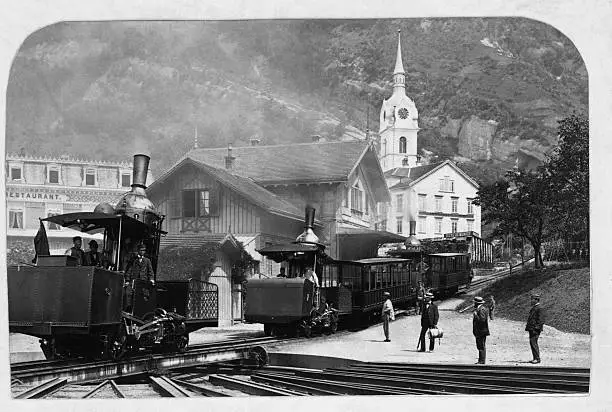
96 311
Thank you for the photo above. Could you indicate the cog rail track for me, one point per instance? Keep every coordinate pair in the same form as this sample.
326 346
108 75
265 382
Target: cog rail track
32 373
359 378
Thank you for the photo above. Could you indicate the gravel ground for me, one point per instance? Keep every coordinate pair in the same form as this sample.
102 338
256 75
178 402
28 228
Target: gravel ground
507 345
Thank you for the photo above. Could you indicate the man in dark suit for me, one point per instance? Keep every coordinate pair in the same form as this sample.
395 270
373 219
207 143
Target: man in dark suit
140 267
480 328
429 319
535 324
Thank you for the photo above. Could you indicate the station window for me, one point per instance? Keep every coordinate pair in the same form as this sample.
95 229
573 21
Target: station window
454 226
16 173
356 198
470 225
470 207
422 224
90 177
399 202
422 200
438 203
454 202
126 180
398 226
196 203
438 226
15 219
447 184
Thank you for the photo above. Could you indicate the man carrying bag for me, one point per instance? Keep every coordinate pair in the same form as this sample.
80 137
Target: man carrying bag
429 320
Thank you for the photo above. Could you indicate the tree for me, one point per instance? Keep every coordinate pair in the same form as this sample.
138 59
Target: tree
519 204
568 167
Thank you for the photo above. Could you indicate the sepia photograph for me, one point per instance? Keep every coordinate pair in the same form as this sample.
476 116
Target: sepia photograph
299 207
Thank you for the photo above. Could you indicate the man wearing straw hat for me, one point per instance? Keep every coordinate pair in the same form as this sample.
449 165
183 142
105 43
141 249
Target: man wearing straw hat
388 314
480 328
535 324
429 319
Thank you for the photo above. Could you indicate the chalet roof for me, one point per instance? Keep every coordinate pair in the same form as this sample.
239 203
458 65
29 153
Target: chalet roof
411 175
242 185
320 162
289 163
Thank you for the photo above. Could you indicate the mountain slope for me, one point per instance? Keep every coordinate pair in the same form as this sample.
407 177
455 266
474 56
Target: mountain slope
488 90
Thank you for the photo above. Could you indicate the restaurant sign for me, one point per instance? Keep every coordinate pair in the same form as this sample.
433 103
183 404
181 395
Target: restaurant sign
36 196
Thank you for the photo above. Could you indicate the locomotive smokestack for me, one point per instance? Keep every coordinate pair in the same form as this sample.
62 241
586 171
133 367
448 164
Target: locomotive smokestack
141 168
412 242
308 236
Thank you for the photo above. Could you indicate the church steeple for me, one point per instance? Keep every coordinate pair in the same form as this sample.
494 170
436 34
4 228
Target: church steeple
399 79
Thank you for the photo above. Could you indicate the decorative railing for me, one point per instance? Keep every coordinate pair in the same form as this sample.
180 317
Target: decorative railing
195 224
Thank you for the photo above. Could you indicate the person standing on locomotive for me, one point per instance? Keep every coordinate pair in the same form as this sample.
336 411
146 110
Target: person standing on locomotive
76 251
312 276
92 256
388 314
140 267
429 319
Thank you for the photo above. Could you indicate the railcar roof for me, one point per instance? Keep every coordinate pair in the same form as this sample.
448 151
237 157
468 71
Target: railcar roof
90 222
379 260
448 254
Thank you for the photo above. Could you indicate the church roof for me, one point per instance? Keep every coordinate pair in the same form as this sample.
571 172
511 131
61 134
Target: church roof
399 65
289 163
411 175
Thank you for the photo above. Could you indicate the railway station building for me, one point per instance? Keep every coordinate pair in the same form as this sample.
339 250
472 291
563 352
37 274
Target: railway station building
38 187
257 195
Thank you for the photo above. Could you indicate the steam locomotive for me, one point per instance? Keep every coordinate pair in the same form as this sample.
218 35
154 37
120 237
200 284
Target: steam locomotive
350 291
93 311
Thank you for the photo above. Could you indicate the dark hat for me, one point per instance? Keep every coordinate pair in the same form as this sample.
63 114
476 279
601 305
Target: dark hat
77 237
386 294
93 243
478 299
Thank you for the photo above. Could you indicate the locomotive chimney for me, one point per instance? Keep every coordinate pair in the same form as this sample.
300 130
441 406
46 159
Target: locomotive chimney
229 159
412 242
308 236
135 203
141 168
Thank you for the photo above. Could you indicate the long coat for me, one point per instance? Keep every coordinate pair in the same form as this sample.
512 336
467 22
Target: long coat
480 324
535 321
138 269
430 316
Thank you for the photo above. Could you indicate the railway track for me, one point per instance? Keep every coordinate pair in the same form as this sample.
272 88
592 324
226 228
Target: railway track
359 378
478 284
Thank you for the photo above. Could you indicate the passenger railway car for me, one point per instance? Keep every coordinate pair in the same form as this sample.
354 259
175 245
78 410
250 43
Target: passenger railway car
92 311
447 273
350 291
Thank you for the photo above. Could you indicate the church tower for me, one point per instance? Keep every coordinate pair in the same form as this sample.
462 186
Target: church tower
398 122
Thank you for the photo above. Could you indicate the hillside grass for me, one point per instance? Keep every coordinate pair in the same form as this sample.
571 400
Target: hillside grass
565 297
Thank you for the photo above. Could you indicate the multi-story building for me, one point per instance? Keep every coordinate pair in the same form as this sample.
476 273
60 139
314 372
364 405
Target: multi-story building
38 187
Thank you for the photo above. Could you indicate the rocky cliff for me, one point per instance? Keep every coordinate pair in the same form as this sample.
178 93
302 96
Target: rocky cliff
488 90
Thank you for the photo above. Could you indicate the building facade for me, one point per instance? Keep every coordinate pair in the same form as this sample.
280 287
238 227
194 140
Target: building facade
437 196
205 205
342 180
38 187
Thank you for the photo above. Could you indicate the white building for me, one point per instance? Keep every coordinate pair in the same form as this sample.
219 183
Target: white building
437 196
38 187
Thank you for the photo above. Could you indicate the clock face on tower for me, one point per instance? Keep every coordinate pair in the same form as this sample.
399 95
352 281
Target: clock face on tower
403 113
